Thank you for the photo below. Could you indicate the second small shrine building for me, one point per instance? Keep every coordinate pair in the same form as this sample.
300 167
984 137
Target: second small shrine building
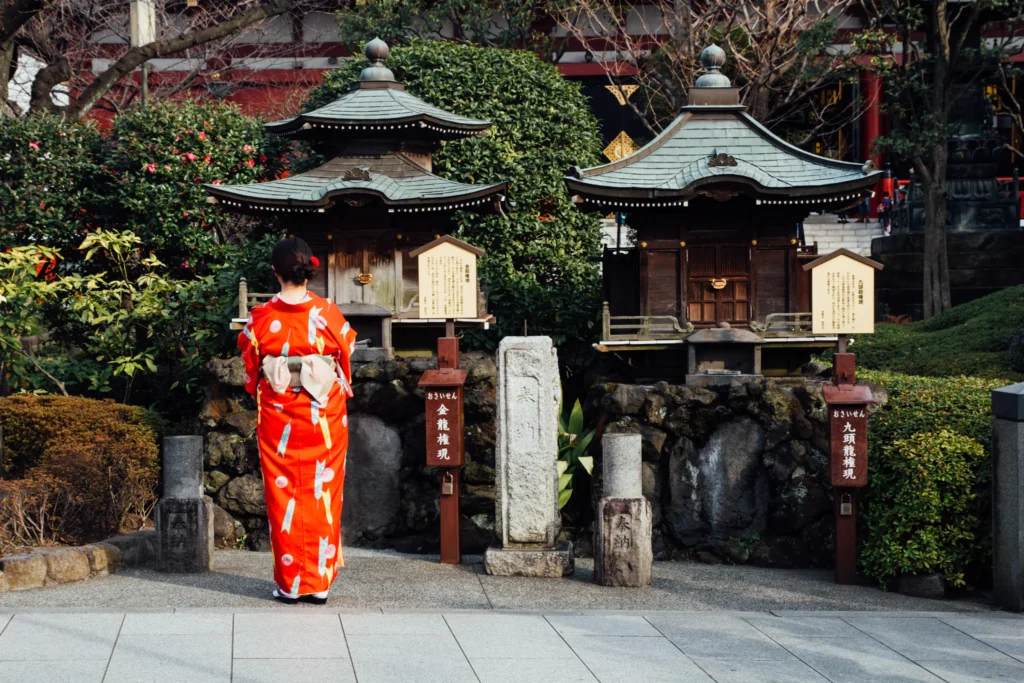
713 287
373 203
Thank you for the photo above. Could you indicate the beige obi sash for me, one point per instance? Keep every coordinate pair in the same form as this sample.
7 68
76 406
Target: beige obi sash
315 374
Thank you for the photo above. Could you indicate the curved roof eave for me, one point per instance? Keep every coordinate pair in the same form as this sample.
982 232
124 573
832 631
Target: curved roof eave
325 200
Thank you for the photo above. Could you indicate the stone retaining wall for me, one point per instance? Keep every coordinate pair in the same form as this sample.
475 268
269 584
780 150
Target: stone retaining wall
391 497
736 473
38 567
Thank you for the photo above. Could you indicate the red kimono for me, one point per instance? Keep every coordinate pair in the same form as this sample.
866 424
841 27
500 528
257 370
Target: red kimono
302 442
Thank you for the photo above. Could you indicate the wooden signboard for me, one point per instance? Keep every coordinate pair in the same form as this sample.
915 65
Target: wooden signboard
444 417
447 278
843 293
848 435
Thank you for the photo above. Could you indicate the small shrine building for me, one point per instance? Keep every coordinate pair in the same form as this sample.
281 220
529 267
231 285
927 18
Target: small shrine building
370 205
716 201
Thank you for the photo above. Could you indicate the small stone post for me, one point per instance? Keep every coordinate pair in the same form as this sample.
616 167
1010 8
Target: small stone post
526 511
623 555
184 516
1008 496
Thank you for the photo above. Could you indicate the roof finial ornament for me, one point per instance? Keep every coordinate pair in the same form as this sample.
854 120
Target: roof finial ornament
377 52
713 59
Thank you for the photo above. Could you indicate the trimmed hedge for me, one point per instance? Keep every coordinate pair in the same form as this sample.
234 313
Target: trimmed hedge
929 499
981 338
76 469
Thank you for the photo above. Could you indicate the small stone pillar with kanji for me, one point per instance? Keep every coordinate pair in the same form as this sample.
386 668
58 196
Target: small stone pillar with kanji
623 554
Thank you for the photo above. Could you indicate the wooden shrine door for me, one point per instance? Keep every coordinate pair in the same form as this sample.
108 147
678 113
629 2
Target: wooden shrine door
365 273
660 282
718 284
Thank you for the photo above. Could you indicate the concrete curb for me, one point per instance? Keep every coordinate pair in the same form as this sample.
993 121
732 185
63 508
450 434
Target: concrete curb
41 567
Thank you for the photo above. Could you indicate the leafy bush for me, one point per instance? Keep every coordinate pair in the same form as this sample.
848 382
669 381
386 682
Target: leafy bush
78 469
972 339
47 171
538 256
929 497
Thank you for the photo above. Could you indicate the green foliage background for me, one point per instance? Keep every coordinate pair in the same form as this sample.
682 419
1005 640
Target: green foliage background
928 504
971 339
539 257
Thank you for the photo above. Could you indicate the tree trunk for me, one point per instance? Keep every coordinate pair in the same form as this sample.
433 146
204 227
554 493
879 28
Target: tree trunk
936 259
6 73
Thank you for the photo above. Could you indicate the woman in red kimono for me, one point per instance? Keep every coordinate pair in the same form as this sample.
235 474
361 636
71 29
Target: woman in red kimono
297 348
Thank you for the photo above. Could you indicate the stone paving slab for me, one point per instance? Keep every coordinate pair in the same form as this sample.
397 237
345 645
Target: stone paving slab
485 646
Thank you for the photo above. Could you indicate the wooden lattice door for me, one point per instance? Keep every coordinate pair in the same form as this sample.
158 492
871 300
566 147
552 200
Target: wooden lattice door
718 284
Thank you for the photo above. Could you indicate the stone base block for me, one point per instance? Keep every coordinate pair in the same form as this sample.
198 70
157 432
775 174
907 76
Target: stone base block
543 562
185 529
623 555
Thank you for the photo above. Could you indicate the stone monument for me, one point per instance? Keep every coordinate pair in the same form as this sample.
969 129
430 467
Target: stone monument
184 516
526 510
1008 496
623 554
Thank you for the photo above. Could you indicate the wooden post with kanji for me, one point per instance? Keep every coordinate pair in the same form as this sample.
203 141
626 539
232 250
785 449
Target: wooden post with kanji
447 291
843 303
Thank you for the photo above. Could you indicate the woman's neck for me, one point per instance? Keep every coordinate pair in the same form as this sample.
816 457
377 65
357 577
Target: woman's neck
292 293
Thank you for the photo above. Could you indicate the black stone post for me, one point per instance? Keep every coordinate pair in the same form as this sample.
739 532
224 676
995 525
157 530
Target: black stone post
1008 496
184 516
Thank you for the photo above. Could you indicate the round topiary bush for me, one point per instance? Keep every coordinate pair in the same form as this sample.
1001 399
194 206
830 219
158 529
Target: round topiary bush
540 256
76 469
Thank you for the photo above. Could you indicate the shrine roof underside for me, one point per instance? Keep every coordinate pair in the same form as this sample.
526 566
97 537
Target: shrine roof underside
391 178
706 146
380 106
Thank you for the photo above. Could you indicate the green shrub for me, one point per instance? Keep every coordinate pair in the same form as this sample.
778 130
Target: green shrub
538 262
929 497
31 424
85 469
972 339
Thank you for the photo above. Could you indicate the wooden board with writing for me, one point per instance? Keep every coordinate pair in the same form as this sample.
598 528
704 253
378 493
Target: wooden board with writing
848 434
447 279
443 394
842 293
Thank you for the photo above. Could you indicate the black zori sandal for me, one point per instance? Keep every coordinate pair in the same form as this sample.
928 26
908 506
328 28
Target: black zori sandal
315 598
287 599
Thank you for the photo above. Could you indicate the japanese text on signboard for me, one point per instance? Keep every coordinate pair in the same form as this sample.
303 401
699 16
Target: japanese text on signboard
444 427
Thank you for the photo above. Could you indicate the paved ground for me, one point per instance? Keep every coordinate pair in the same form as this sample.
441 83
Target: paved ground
409 620
387 580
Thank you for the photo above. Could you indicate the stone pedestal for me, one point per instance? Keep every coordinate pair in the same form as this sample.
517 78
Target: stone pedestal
184 517
1008 496
527 517
623 553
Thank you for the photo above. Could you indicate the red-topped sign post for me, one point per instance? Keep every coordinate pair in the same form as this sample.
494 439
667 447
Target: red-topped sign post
447 290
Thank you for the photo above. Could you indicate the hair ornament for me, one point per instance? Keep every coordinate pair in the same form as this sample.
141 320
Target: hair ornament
314 261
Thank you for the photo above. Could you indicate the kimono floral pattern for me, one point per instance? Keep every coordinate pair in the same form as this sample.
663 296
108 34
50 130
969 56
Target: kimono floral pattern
302 441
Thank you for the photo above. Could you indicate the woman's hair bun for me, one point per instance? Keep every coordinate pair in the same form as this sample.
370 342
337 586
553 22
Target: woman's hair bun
292 260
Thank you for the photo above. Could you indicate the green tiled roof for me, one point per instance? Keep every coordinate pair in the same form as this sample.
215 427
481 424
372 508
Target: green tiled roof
393 178
379 107
676 162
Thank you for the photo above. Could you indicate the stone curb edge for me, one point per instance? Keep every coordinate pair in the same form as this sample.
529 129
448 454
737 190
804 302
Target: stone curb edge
39 567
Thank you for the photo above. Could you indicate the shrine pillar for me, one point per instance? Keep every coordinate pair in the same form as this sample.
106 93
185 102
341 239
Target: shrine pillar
871 126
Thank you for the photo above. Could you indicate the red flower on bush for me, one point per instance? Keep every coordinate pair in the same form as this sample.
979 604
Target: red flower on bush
151 168
206 159
190 156
34 145
250 163
263 158
202 135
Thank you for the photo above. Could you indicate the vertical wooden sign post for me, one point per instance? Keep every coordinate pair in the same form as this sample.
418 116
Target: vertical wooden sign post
447 290
842 303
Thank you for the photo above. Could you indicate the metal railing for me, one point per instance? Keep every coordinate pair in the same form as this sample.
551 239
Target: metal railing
784 325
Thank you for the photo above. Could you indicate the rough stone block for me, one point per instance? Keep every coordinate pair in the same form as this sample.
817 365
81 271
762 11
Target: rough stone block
66 566
621 465
529 393
3 583
185 527
230 371
372 483
103 557
134 548
24 570
932 586
623 554
550 563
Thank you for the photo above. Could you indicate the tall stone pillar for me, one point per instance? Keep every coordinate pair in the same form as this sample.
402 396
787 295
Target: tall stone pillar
526 514
1008 496
184 516
623 554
